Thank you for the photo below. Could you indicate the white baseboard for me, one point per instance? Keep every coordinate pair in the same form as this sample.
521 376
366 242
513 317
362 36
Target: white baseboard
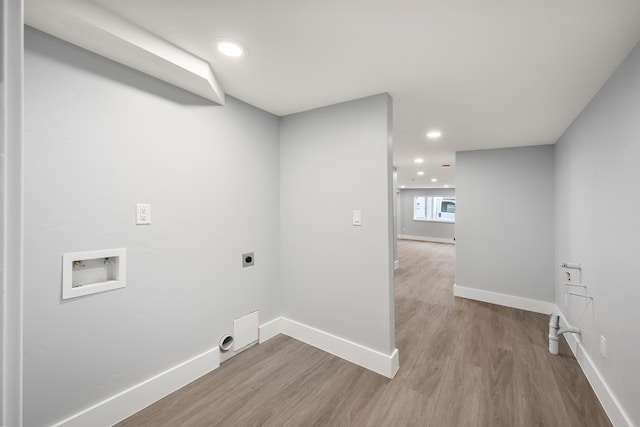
396 265
126 403
506 300
610 403
383 364
270 330
426 239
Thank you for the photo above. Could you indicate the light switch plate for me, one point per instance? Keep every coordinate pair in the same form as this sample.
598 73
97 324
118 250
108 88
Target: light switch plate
143 214
357 217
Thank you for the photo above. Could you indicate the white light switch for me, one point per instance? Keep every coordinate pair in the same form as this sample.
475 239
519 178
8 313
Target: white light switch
143 214
357 217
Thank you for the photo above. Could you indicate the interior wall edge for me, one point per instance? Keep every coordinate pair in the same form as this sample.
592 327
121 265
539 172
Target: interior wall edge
384 364
12 201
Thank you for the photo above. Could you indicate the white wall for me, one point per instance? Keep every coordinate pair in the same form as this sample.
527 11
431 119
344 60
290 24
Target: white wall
597 205
427 229
11 190
337 277
505 221
396 209
99 138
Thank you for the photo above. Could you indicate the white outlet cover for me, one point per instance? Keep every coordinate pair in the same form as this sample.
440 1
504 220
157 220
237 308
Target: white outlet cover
143 214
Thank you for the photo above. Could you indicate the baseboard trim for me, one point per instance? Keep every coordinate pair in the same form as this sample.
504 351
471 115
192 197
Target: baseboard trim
426 239
383 364
270 330
506 300
126 403
609 402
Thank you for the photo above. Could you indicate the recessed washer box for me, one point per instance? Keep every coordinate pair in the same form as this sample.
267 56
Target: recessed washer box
85 273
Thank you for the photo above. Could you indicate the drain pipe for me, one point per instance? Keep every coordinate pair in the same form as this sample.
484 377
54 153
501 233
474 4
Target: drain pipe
555 331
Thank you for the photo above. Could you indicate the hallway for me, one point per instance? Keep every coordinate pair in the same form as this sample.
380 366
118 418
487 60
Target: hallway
480 363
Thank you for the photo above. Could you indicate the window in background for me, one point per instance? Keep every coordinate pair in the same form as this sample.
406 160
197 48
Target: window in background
419 207
434 208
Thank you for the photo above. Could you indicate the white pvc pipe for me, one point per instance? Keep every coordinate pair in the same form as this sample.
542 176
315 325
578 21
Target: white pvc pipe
555 331
570 329
554 325
572 265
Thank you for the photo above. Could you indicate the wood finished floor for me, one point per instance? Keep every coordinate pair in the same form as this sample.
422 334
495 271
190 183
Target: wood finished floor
462 363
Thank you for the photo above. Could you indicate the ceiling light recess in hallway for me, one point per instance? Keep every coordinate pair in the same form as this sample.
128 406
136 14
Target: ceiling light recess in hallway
434 134
230 47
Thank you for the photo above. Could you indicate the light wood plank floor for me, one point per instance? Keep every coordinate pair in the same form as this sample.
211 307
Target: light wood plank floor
462 363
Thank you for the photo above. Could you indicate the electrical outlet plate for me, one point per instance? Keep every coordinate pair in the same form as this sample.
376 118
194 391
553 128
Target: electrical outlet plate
143 214
248 259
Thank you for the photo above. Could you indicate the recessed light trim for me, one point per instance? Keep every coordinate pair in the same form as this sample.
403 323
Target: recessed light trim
420 173
434 179
434 134
231 48
418 160
446 186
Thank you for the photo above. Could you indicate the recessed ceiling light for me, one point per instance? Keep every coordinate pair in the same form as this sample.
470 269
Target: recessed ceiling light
434 134
229 47
418 160
446 186
420 173
434 179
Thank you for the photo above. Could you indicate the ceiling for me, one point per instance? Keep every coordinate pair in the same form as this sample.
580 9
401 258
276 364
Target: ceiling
487 73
